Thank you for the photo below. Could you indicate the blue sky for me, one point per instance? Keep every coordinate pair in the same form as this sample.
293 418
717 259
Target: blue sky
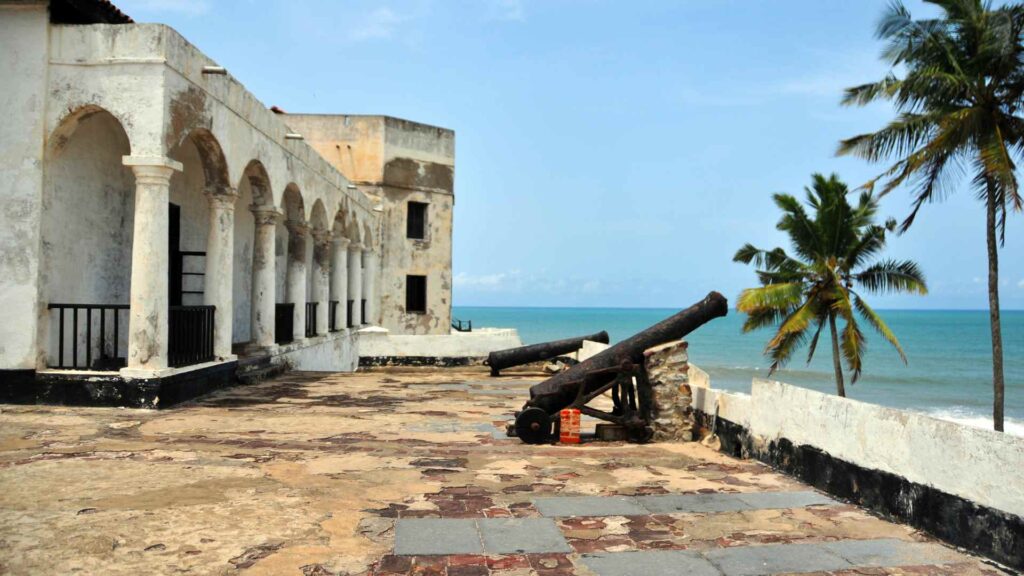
609 153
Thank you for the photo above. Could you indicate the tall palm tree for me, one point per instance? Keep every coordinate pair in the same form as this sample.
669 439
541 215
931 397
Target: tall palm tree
802 293
959 102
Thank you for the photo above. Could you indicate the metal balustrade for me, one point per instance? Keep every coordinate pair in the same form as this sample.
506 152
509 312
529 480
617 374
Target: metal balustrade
311 319
284 323
89 336
95 336
190 335
333 316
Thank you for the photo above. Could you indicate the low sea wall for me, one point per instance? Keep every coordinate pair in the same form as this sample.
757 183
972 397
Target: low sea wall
960 483
377 347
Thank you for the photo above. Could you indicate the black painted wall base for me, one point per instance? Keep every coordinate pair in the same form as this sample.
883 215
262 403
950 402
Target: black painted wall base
960 522
436 361
31 387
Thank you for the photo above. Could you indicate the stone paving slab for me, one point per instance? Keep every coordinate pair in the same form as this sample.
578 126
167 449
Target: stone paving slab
772 559
775 500
651 563
669 503
562 506
442 537
521 536
436 536
775 559
565 506
890 552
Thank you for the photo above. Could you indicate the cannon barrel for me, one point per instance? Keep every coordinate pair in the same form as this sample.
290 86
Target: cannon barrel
501 359
560 390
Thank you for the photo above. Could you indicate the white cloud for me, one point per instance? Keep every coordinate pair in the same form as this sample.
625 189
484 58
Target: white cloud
188 7
377 25
508 10
496 281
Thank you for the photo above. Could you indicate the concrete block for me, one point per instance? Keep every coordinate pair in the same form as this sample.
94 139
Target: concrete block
564 506
775 559
436 536
650 563
521 536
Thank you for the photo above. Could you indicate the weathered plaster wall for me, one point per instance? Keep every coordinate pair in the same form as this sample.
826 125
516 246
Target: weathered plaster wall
23 55
336 352
87 217
980 465
394 162
378 343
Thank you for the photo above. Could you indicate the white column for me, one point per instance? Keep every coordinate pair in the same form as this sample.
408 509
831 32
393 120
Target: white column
321 278
370 285
297 276
220 251
147 328
264 285
355 281
339 280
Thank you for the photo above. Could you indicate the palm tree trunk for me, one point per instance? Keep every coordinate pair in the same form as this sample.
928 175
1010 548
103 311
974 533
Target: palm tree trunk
993 310
840 389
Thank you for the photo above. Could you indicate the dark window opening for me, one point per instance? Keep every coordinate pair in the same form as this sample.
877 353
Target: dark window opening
416 224
416 294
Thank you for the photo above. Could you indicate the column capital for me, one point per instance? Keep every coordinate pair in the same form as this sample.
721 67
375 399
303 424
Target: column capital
366 248
341 241
355 247
321 236
152 170
152 161
223 198
297 228
265 215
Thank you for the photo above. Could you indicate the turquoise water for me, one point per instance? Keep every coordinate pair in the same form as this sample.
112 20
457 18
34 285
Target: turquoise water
949 355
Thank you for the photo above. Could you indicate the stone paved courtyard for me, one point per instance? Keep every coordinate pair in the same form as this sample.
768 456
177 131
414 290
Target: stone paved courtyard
399 472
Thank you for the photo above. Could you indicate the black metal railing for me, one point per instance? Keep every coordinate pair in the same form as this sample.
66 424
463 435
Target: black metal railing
332 317
348 315
89 336
284 323
190 335
363 320
311 319
461 326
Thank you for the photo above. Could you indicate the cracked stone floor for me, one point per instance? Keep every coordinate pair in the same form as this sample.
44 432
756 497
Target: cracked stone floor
406 471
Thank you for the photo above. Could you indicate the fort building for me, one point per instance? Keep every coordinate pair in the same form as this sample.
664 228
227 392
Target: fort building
163 229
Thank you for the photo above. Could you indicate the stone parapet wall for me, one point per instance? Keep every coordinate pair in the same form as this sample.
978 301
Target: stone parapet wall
668 371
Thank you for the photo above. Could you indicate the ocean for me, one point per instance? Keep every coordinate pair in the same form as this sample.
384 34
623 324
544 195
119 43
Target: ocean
948 374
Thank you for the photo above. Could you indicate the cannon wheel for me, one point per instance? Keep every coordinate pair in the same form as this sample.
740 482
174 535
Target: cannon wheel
533 426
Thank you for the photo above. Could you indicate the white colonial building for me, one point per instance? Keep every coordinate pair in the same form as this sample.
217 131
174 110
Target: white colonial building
162 228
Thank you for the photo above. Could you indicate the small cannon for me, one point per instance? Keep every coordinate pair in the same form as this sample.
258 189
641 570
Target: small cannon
619 369
501 359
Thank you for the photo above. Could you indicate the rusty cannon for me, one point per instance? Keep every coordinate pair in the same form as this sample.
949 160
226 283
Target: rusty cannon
620 370
501 359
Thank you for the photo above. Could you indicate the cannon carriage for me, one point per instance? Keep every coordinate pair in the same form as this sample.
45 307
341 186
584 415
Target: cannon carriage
618 370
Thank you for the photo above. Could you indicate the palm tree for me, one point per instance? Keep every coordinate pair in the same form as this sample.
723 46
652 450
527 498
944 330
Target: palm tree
959 102
801 294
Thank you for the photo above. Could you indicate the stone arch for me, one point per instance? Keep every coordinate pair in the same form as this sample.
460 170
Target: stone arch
368 236
212 160
293 208
318 217
293 205
255 193
204 174
86 226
